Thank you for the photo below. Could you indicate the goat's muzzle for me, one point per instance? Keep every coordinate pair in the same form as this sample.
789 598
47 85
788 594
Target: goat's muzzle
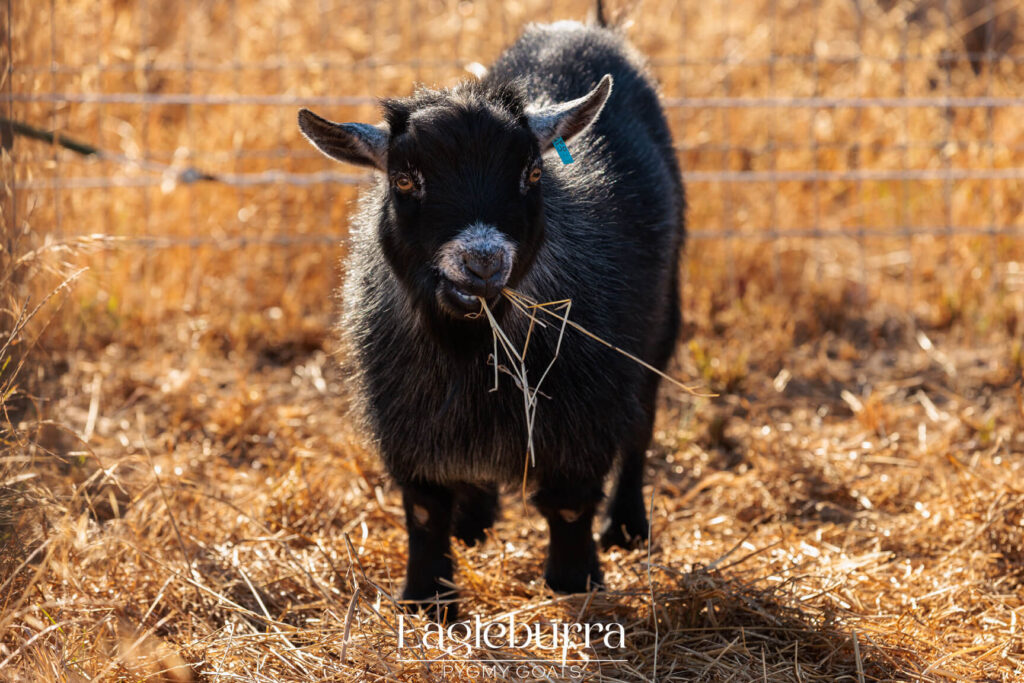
476 263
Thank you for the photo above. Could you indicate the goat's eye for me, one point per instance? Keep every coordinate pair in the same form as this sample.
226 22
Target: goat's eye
404 184
535 174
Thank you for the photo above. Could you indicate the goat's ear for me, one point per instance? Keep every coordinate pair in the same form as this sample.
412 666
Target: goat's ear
566 119
356 143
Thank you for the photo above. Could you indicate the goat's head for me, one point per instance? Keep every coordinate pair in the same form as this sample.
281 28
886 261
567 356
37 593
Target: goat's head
462 212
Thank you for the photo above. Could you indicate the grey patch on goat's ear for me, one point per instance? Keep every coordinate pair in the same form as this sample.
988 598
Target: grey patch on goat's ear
355 143
567 119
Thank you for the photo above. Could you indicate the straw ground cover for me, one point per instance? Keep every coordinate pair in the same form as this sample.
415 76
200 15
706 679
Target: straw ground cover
182 495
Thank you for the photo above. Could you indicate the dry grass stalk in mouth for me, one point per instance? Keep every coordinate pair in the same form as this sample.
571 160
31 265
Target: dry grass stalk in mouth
516 358
525 304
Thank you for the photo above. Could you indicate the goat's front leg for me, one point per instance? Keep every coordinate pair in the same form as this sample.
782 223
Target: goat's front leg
428 519
572 565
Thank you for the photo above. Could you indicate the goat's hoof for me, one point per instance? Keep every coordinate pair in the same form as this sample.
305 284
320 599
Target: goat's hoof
629 534
574 579
470 531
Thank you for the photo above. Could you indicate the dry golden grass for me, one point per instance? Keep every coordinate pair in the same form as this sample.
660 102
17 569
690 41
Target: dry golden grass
182 497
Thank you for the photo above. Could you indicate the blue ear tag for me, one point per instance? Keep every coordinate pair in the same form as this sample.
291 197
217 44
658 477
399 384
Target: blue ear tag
562 150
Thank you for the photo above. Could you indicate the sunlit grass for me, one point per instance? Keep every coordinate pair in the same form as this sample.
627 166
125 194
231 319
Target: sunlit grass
182 489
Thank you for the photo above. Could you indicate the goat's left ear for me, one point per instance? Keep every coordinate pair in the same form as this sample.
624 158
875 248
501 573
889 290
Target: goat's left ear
356 143
566 119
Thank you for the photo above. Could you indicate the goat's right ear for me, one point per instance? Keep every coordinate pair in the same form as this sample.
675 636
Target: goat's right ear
567 119
356 143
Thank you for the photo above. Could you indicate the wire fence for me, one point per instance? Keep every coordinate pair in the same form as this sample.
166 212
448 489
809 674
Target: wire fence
899 121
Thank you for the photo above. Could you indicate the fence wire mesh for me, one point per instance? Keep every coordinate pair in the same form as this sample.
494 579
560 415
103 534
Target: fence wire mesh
879 143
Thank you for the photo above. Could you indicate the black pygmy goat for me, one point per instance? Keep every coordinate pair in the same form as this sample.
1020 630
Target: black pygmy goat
471 199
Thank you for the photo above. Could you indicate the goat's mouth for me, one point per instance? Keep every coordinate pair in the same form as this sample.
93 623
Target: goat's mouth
460 300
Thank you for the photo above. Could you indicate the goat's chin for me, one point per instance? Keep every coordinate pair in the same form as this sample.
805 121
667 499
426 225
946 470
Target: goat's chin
456 330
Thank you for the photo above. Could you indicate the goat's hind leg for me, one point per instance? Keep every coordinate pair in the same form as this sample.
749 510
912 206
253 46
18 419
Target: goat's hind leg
476 510
626 524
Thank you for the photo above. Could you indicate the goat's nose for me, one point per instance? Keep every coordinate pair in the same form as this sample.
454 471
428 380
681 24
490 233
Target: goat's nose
484 265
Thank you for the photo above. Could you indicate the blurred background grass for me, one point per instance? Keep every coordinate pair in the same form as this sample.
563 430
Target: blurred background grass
754 50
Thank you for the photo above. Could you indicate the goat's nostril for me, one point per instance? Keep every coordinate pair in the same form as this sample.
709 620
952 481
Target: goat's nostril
484 267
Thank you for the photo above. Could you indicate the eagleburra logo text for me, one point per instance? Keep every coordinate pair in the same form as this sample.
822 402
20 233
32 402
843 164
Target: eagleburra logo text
462 638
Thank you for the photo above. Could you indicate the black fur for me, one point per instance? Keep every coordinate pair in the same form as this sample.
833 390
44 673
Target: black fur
604 231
